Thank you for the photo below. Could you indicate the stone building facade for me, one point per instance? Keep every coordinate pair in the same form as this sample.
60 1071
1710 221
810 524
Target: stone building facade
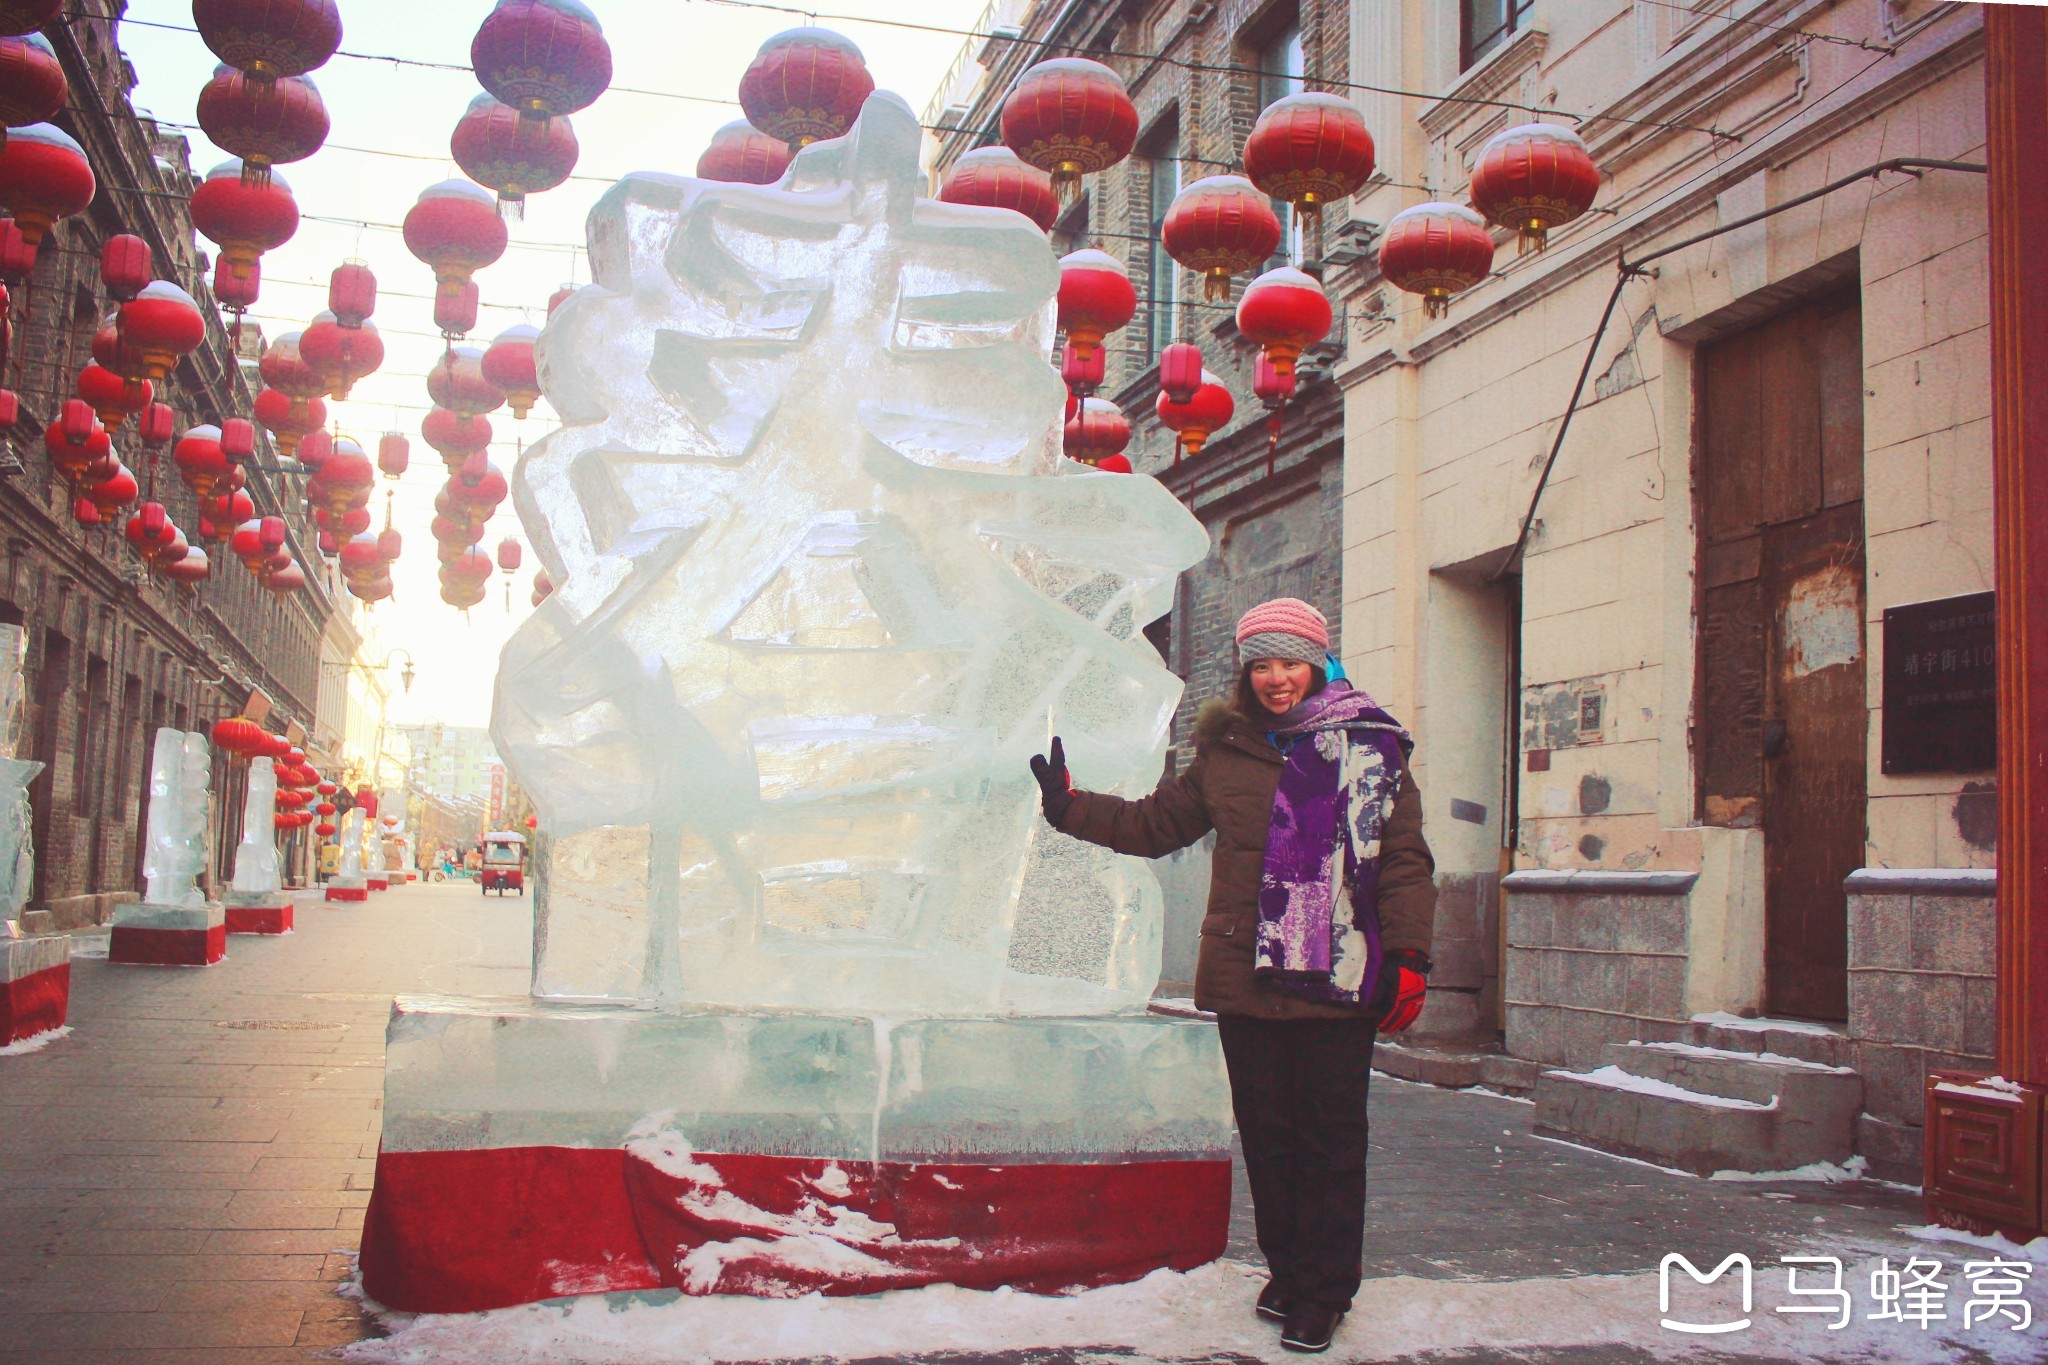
112 654
1199 73
1679 796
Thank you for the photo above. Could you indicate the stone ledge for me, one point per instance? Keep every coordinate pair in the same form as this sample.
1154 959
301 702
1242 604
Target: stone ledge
1582 881
1922 881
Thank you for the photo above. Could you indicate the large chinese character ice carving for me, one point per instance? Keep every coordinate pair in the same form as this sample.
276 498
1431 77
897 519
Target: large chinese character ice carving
822 576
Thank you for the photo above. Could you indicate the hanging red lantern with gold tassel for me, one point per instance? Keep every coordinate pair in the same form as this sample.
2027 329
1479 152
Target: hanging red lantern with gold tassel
1437 251
544 58
1532 179
1309 149
1070 117
1218 227
805 85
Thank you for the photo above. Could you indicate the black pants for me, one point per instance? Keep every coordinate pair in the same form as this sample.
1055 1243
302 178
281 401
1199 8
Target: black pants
1299 1089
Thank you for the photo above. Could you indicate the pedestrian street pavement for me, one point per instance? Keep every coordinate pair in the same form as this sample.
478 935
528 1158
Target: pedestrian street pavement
183 1178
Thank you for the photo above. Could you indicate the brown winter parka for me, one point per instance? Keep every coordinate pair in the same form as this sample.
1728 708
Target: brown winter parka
1229 788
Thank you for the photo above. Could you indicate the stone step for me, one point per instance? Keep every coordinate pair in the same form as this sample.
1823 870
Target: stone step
1705 1109
1456 1068
1796 1038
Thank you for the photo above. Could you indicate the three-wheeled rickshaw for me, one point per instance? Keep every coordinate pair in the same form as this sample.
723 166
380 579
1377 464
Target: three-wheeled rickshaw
504 866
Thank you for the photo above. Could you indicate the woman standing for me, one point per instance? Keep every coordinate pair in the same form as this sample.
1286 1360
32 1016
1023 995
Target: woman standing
1321 901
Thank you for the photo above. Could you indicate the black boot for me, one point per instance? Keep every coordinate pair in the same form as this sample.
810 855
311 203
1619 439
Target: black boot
1273 1304
1310 1327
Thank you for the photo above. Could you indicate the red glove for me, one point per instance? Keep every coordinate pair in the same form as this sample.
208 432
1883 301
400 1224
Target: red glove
1410 987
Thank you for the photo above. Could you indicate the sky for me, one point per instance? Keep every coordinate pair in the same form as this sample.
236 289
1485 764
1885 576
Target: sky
694 48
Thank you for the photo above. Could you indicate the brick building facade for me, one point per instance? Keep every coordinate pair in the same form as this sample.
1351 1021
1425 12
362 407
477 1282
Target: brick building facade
112 654
1199 74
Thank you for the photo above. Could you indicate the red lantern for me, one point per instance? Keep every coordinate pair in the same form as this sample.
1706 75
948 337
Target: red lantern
191 567
1070 117
269 38
509 365
454 227
1113 464
1180 371
154 426
455 310
265 123
111 396
1534 178
32 84
1436 250
997 178
221 513
289 421
245 542
352 293
543 586
509 553
125 265
75 450
1285 312
515 156
1207 411
159 325
10 409
326 789
199 459
340 355
1271 386
484 493
390 543
44 176
1098 429
1309 149
460 593
236 293
244 220
361 557
86 512
742 154
237 439
394 453
285 579
1095 297
805 85
239 735
324 829
113 492
1218 226
17 253
1083 375
370 589
545 58
560 297
26 16
285 369
150 530
458 382
454 437
344 481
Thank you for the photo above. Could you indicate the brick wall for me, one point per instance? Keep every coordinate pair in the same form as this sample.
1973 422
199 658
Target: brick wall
1594 958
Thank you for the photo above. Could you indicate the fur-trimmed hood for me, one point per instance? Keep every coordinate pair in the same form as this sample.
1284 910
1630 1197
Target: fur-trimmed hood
1214 718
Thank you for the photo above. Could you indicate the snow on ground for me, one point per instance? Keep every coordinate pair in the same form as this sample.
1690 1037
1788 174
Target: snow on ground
1998 1243
36 1043
1826 1172
1204 1313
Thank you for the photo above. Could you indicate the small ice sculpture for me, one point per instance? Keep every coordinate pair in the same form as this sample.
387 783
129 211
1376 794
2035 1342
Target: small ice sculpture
351 870
176 832
823 582
373 851
17 841
256 856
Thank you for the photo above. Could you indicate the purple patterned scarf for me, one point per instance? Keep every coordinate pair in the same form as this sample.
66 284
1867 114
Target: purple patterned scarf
1342 772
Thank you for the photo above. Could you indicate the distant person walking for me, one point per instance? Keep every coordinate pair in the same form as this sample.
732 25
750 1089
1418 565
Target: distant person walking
1321 903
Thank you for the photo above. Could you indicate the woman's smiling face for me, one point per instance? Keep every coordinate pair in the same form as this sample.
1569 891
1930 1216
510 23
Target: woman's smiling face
1281 684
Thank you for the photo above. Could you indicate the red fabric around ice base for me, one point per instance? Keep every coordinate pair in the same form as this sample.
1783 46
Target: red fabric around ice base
260 919
168 947
450 1232
454 1232
348 893
35 1003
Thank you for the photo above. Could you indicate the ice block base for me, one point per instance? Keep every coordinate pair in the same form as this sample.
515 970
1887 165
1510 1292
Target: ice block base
531 1151
348 889
275 918
378 883
35 986
168 935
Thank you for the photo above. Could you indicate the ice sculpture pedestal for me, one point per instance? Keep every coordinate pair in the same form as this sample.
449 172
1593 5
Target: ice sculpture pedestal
169 935
376 883
348 889
534 1150
258 914
35 984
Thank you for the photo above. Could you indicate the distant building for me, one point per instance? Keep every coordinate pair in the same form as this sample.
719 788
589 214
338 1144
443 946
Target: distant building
452 761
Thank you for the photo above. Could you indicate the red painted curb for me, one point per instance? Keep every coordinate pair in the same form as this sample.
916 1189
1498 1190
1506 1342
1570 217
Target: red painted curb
35 1003
450 1232
168 947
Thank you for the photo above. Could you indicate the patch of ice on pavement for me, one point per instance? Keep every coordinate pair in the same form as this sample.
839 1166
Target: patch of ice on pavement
35 1043
1202 1314
2035 1251
1826 1172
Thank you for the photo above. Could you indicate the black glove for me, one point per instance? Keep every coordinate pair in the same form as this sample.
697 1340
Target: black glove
1055 784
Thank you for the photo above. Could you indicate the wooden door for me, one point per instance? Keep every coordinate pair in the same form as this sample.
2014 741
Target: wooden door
1781 723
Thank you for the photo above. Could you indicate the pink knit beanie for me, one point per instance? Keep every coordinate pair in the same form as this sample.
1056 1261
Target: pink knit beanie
1284 628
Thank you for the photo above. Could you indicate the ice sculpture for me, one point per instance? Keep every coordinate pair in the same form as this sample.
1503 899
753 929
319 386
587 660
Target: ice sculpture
351 869
823 578
176 832
256 856
825 583
17 841
372 842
